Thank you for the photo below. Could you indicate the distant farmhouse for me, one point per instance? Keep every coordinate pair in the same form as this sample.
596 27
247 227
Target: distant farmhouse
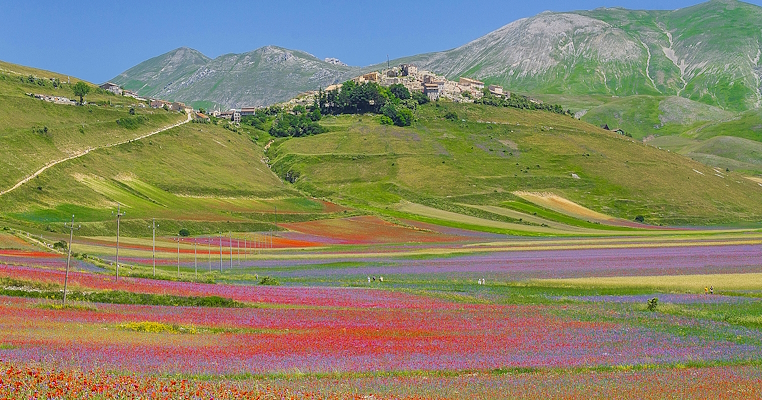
115 89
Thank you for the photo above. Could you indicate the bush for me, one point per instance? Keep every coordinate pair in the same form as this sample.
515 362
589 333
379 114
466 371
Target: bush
640 219
60 245
401 116
386 120
652 304
184 232
268 281
452 116
294 125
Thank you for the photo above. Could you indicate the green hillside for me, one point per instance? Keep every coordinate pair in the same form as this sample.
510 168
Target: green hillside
491 153
203 174
34 132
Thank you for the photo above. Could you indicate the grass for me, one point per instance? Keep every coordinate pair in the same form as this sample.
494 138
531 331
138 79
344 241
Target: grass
70 129
440 163
202 174
681 283
16 288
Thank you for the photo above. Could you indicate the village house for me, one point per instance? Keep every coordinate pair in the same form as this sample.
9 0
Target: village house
201 117
332 87
230 115
129 93
409 70
496 90
248 111
115 89
471 83
372 77
157 103
177 106
432 90
390 81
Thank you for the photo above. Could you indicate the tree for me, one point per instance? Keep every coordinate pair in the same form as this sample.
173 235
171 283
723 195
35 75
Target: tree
420 97
81 89
400 91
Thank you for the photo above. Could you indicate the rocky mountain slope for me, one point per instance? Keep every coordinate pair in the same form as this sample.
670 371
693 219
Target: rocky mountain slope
260 77
708 53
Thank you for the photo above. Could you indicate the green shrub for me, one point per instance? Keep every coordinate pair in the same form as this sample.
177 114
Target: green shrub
184 232
268 281
652 304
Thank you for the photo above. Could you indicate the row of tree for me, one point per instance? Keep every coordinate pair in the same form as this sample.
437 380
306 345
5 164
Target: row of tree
519 101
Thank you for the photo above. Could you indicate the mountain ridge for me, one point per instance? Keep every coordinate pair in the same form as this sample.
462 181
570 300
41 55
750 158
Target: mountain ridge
709 53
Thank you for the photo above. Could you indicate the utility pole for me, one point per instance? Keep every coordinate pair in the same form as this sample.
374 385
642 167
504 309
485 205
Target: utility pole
220 233
119 215
230 243
195 258
68 257
276 227
238 245
178 256
154 246
209 249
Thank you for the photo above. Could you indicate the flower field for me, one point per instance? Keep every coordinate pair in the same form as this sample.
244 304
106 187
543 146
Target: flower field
427 331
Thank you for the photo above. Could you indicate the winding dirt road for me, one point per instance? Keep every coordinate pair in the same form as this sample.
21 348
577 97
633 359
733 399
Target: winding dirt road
84 152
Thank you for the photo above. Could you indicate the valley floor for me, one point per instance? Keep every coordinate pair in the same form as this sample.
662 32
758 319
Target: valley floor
445 313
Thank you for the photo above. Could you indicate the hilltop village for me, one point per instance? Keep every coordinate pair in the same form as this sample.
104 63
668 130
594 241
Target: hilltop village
436 87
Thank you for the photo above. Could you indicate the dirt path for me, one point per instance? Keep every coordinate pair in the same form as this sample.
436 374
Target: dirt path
82 153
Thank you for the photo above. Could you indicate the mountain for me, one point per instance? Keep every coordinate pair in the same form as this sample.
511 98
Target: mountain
708 53
261 77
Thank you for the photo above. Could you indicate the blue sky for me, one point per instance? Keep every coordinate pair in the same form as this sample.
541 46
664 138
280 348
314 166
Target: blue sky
97 40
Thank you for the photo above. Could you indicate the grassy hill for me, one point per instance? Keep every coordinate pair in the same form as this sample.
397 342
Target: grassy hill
203 174
490 154
34 132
